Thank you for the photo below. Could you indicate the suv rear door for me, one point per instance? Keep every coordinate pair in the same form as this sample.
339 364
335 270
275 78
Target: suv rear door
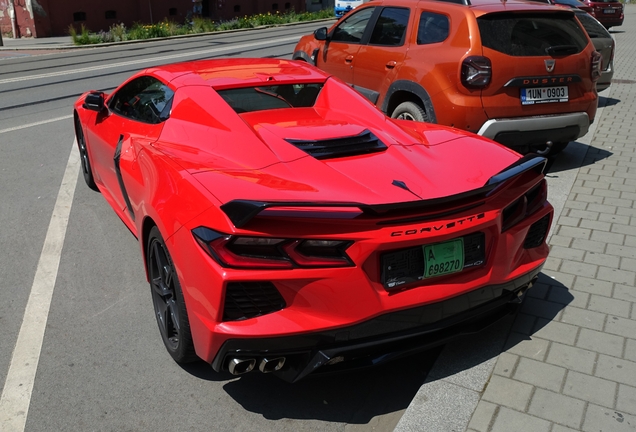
377 63
541 64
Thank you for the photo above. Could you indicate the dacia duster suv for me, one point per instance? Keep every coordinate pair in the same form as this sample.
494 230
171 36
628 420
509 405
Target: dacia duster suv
518 72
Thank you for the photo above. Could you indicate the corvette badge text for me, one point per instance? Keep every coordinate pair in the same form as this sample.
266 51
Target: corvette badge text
440 227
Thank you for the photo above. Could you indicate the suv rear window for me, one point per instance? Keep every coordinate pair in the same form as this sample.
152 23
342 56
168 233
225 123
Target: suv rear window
433 28
532 34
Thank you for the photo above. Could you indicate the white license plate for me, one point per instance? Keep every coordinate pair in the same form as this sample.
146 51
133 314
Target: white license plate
609 10
537 95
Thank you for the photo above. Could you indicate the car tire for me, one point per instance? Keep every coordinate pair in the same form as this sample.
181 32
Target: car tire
409 111
167 300
87 171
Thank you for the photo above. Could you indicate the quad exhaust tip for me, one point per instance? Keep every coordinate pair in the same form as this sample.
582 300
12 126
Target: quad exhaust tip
268 365
240 366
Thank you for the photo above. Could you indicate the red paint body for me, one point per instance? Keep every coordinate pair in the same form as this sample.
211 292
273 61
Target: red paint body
179 172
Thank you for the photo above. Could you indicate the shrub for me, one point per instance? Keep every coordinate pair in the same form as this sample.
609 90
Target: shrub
119 32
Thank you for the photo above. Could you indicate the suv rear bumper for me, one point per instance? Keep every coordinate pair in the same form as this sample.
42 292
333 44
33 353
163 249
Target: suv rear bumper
525 134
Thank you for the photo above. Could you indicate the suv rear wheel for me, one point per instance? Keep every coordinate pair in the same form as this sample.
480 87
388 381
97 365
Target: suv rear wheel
409 111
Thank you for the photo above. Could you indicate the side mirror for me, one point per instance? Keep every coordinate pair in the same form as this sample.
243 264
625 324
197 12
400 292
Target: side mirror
94 101
321 34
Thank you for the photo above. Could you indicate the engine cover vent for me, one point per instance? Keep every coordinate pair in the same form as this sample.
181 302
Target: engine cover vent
365 142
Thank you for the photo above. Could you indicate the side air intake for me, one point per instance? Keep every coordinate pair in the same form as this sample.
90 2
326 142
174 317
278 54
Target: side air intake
366 142
244 300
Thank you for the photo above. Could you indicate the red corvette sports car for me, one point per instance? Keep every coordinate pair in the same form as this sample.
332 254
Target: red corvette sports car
287 225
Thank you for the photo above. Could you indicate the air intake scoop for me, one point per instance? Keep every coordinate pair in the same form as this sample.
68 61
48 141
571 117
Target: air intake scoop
363 143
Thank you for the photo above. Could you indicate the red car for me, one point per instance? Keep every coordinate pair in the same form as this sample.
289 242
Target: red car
287 225
610 13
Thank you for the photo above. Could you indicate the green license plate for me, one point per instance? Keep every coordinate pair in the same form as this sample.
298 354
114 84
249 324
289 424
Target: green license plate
443 258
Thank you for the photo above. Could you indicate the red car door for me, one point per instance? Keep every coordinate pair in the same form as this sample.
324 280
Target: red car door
135 111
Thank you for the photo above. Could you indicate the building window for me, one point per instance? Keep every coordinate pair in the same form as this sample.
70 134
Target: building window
79 16
287 5
172 11
237 8
274 6
111 14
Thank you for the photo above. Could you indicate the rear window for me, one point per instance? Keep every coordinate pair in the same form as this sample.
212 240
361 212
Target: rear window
433 28
261 98
532 34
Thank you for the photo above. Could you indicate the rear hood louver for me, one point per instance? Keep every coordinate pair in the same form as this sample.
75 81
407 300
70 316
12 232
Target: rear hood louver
365 142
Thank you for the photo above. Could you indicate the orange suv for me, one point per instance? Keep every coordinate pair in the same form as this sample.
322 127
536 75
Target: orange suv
520 73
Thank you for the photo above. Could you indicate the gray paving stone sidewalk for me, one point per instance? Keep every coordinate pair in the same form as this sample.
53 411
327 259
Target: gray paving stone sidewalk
569 363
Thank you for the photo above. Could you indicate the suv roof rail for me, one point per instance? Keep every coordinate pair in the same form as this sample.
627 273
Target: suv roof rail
462 2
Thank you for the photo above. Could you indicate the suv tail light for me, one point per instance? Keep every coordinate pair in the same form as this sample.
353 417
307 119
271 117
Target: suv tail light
272 253
476 71
597 60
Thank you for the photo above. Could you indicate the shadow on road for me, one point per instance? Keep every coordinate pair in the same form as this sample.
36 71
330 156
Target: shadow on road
564 161
605 101
356 397
470 360
353 397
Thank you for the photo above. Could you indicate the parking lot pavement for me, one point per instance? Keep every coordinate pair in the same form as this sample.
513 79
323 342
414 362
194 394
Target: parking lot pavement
569 362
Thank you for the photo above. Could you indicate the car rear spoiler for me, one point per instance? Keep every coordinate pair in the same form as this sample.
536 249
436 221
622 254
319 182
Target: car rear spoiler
240 212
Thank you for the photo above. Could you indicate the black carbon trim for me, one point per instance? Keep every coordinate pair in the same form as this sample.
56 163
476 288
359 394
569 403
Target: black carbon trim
372 95
526 163
120 179
302 55
364 143
241 211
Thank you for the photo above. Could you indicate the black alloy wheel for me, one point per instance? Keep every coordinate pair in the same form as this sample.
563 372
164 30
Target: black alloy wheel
86 164
167 299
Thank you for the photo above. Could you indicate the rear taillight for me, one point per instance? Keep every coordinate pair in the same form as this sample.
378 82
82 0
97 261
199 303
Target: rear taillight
476 71
597 60
529 203
272 253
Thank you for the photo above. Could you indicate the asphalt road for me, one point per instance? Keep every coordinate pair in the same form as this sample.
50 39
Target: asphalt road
102 365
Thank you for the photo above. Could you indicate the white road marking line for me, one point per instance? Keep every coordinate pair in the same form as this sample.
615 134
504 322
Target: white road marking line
229 47
16 394
28 125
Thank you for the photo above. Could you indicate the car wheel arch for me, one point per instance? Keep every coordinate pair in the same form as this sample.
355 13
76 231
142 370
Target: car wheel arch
302 56
405 91
86 165
146 226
